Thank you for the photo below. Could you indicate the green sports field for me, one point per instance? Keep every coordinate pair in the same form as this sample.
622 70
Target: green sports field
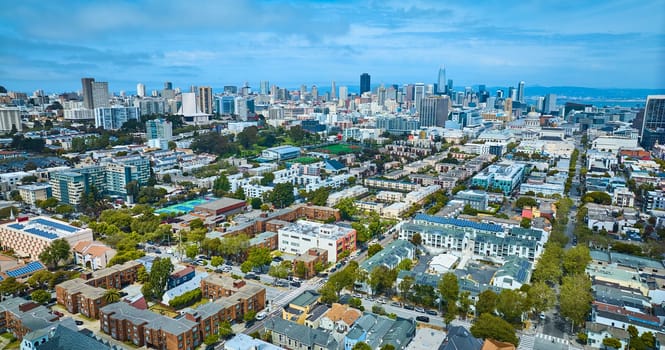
339 149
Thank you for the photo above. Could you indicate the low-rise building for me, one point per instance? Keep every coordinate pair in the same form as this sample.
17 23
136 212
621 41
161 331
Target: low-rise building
478 200
78 297
93 254
30 236
290 335
20 317
339 318
244 342
378 331
309 261
35 192
299 237
299 309
390 256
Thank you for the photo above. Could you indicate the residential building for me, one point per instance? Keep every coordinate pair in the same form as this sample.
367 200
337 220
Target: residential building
299 309
354 192
179 277
30 236
390 256
20 317
62 335
503 176
597 332
299 237
653 124
364 83
434 110
93 254
290 335
79 114
339 318
378 331
310 260
86 88
78 297
239 294
478 200
244 342
205 99
459 337
100 94
35 192
10 119
112 118
514 273
159 129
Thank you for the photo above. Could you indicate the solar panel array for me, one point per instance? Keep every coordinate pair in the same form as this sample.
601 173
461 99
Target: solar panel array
523 271
55 224
16 226
26 270
460 223
42 233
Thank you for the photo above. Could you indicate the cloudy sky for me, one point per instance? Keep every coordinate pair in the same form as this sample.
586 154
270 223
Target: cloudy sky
610 43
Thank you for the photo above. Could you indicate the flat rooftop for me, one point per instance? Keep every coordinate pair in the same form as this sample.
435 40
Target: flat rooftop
44 227
315 229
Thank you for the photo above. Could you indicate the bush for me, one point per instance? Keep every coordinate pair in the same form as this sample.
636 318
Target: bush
186 299
378 309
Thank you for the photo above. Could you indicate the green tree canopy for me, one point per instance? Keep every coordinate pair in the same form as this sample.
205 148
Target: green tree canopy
40 296
58 251
373 249
486 303
491 327
449 287
281 195
575 298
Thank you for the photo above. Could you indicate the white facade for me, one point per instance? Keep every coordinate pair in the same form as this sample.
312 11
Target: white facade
354 192
613 143
302 235
10 117
112 118
79 114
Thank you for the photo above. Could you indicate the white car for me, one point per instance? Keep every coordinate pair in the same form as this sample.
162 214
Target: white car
261 315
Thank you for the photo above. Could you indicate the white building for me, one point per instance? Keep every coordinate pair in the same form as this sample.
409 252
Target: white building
10 118
112 118
353 192
79 114
302 235
613 143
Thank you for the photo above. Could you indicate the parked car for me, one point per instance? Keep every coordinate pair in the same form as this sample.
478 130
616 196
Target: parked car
295 284
408 307
79 323
278 259
432 312
381 301
58 313
356 295
422 318
396 304
261 315
420 309
251 276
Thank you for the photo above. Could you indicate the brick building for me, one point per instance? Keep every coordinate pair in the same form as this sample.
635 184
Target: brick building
312 257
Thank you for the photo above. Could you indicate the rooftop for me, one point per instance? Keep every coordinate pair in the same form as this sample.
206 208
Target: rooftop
220 204
423 218
302 334
305 299
44 227
315 229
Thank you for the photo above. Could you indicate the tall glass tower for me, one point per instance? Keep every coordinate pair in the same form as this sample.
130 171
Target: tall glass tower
653 124
442 88
364 83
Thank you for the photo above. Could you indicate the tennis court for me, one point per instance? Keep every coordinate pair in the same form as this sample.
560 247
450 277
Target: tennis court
185 207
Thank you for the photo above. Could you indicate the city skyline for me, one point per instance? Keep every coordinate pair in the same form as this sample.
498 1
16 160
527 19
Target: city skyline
613 44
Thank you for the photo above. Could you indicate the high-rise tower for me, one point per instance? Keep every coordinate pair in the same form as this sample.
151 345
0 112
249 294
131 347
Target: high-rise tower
434 110
520 92
442 86
333 90
205 99
653 124
418 95
364 83
100 94
86 90
140 90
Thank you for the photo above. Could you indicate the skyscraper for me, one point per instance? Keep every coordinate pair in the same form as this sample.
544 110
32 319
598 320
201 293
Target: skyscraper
653 124
158 129
205 99
140 90
434 110
100 94
520 92
343 94
86 89
315 93
333 90
550 103
442 87
264 87
364 83
418 95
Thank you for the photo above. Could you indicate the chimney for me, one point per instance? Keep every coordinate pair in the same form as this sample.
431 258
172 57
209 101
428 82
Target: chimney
239 283
27 306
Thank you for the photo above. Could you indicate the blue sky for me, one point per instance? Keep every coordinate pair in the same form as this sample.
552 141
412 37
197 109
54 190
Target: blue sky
608 44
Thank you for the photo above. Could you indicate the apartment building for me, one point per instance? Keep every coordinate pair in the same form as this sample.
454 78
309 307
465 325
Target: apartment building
20 317
78 297
303 235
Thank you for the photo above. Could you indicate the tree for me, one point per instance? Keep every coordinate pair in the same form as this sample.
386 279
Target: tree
159 275
64 209
373 249
387 347
40 296
256 203
576 259
416 239
486 303
526 202
166 179
48 203
541 297
318 196
280 271
15 195
575 298
221 186
612 343
405 286
249 316
267 179
142 274
248 137
216 261
281 195
259 256
511 304
347 208
361 346
133 188
225 330
597 197
111 296
191 251
328 294
448 288
525 223
451 313
12 286
211 339
382 279
405 265
492 327
59 250
300 270
296 133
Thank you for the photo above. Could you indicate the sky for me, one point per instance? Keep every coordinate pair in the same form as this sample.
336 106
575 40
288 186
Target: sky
51 45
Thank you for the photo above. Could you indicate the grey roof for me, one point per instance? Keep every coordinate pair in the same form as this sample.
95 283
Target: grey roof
36 318
64 338
172 326
380 330
389 256
124 311
307 298
318 311
302 334
459 338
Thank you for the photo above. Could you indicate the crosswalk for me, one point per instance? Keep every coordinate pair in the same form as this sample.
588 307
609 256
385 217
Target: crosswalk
528 341
287 296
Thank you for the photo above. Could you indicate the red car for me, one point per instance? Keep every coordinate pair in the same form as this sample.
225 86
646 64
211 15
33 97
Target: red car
58 313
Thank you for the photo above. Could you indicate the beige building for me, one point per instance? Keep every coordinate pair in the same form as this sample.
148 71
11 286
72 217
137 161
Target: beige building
94 255
34 192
